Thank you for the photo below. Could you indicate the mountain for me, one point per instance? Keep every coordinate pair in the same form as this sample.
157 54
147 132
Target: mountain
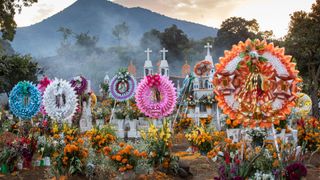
98 17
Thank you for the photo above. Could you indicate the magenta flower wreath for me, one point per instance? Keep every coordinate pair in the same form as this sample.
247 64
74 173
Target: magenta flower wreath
43 84
156 96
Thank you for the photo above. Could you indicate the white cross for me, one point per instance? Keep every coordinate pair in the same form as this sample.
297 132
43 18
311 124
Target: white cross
163 51
208 46
148 51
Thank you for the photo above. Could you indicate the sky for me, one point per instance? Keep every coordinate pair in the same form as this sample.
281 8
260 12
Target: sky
270 14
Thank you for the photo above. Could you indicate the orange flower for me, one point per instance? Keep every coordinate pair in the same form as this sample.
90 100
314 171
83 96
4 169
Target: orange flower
136 152
143 154
118 158
122 169
121 144
124 161
128 166
80 141
228 121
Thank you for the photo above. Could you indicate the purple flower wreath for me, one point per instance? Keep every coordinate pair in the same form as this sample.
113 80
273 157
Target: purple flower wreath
122 86
79 84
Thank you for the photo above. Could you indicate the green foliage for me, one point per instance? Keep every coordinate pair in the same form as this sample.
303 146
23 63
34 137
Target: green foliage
8 10
121 31
303 43
15 68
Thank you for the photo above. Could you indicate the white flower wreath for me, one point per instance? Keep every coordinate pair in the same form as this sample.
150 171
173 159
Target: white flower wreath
60 100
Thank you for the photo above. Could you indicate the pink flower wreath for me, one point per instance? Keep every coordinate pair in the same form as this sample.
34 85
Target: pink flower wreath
156 96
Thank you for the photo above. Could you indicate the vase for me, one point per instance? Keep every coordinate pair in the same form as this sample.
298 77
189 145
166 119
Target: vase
133 128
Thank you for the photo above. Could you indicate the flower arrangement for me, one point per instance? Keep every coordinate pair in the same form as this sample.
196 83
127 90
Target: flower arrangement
184 123
25 100
60 100
191 102
206 121
99 138
207 100
43 84
74 155
202 67
256 83
159 142
156 96
308 133
122 86
242 161
101 112
257 135
124 156
80 84
201 138
233 123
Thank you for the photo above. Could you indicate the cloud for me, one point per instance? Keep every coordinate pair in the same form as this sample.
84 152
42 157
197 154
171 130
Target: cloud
271 14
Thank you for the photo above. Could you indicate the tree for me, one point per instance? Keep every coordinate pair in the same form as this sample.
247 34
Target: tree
5 47
121 32
15 68
233 30
151 39
175 40
85 40
8 10
302 41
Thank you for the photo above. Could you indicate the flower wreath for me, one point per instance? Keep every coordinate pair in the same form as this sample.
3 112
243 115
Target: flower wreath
80 84
256 83
43 84
60 100
202 67
156 96
25 100
122 86
303 105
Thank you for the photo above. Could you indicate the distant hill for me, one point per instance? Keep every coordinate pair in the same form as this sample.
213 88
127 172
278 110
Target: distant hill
98 17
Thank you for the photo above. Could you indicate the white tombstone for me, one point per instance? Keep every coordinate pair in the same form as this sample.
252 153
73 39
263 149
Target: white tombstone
133 128
86 117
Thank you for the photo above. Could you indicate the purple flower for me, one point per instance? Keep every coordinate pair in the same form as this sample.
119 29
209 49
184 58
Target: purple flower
296 171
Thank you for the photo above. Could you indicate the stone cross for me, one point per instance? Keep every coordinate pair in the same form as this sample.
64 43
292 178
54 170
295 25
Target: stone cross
164 51
148 51
208 46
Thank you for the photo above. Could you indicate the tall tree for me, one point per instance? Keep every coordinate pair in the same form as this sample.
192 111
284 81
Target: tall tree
302 41
175 40
8 9
121 32
151 39
233 30
15 68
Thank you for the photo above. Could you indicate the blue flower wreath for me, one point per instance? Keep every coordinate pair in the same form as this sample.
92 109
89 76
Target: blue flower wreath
25 100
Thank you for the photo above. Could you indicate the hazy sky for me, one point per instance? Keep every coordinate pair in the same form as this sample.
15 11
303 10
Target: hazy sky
271 14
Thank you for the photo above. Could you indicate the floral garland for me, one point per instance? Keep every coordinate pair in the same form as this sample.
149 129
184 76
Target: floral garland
60 100
79 84
43 84
202 67
256 83
25 100
122 86
303 105
156 96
